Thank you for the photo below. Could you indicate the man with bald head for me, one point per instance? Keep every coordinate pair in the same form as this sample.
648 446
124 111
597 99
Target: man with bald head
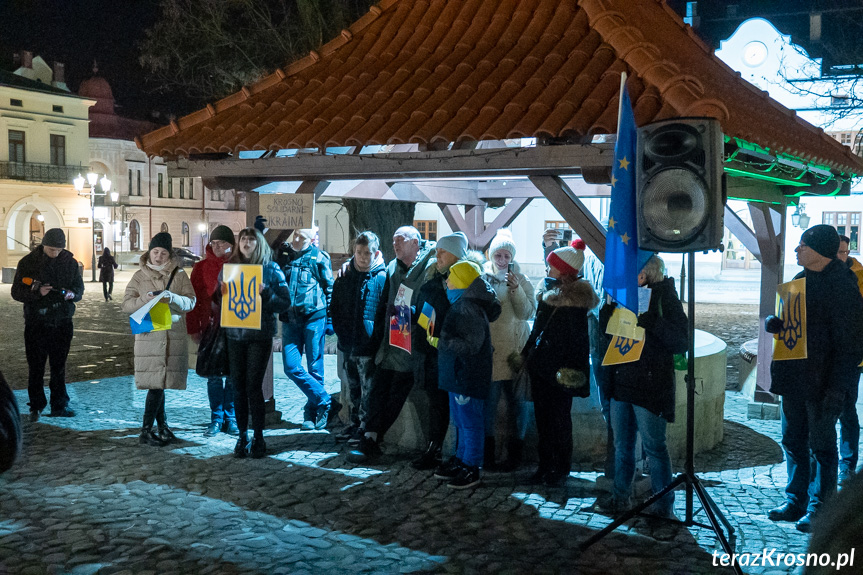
395 367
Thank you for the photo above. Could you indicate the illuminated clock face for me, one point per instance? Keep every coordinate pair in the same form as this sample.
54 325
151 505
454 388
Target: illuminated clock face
754 53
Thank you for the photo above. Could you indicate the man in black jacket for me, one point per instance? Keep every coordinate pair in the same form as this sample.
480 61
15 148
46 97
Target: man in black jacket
356 296
48 282
813 390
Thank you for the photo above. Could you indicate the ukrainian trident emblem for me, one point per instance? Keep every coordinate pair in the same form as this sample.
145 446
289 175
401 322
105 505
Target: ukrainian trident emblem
241 300
241 296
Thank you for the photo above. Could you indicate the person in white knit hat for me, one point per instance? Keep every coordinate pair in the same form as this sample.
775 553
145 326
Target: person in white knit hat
508 336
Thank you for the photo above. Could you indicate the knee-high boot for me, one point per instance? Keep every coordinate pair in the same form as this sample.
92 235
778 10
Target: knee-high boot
151 406
164 431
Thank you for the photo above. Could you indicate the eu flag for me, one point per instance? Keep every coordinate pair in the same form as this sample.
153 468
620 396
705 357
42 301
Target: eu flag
623 259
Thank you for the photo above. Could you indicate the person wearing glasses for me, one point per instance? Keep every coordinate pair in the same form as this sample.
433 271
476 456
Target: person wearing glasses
815 389
205 280
849 423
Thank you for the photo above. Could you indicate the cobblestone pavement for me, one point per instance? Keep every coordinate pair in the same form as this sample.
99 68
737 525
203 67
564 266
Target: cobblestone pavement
87 498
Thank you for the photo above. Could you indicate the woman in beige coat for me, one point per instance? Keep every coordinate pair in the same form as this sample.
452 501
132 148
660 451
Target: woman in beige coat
509 333
161 357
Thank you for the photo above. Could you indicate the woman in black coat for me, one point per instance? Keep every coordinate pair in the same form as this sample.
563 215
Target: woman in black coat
558 359
642 392
106 265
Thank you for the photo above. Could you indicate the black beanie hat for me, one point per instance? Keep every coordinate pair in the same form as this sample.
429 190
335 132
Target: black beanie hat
823 239
224 234
54 238
161 240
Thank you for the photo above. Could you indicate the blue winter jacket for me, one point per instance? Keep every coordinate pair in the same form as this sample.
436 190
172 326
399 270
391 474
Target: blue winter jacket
356 297
464 349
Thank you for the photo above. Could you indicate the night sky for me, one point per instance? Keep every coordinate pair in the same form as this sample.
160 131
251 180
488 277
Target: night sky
76 32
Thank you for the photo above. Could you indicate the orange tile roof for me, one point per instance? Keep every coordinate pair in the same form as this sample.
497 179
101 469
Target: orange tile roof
437 71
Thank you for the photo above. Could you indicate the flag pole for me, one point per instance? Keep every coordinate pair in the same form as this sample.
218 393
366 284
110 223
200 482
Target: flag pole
620 100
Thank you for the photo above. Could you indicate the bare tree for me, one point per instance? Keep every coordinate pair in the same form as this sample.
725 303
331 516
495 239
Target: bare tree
208 49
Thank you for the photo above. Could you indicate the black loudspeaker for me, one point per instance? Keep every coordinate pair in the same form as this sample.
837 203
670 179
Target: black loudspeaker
680 186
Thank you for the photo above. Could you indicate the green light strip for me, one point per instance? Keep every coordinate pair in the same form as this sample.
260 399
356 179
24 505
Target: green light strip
756 176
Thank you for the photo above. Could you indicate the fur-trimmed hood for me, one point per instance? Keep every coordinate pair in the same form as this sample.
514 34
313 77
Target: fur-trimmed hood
568 293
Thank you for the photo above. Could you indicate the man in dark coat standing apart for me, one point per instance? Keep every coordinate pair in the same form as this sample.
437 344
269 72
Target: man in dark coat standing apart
813 390
49 283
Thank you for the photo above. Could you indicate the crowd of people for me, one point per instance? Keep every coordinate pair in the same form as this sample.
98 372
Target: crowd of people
458 326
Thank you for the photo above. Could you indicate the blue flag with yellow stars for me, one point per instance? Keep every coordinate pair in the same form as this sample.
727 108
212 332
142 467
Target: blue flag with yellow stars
623 259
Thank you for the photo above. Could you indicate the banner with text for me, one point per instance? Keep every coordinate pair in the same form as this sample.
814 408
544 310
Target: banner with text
288 211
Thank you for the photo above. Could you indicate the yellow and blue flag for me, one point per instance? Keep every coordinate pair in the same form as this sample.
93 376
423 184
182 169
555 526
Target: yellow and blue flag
623 259
427 317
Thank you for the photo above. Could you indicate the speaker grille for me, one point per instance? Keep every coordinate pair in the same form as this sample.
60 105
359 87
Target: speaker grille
674 204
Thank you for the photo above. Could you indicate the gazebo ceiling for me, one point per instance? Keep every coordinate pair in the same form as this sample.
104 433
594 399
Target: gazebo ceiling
431 72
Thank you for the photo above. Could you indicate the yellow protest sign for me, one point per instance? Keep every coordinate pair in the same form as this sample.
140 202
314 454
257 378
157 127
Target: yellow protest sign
790 342
288 211
625 324
623 350
241 300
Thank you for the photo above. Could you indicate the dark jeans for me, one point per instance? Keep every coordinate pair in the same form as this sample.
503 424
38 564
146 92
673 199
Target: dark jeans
849 432
552 408
51 343
390 390
220 392
107 288
809 441
248 360
438 399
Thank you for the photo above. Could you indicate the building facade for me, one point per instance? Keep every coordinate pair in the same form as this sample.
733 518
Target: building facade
43 146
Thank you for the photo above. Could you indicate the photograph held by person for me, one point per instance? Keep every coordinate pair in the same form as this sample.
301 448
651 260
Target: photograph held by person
249 350
814 389
161 357
107 264
557 355
308 271
849 422
509 333
642 392
205 280
356 296
448 250
48 283
465 368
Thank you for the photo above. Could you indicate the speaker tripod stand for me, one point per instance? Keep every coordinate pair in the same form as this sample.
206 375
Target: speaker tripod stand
687 478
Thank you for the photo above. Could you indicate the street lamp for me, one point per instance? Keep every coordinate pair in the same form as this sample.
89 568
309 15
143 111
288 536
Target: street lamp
105 184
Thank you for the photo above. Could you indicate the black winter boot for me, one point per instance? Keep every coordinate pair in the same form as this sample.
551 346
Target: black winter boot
164 431
151 405
430 459
488 455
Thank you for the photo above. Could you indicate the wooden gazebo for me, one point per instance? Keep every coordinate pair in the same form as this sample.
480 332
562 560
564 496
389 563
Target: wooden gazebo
445 90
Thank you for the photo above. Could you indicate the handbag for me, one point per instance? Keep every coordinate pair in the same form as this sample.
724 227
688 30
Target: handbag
213 352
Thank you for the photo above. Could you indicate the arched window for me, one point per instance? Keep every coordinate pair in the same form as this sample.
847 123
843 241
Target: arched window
186 238
134 236
164 227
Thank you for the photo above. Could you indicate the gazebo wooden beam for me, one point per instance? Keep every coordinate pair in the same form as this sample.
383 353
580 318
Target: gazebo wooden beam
494 163
573 210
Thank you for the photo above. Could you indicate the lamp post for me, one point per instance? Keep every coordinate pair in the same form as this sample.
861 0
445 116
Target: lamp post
115 197
202 227
105 184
